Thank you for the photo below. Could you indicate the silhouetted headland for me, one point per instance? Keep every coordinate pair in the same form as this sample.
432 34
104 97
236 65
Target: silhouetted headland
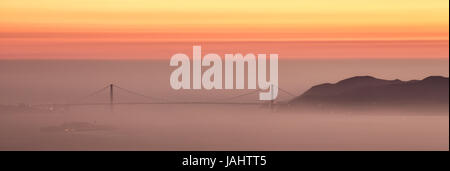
367 91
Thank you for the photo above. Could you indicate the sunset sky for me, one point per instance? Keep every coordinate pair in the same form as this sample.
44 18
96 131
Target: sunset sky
29 27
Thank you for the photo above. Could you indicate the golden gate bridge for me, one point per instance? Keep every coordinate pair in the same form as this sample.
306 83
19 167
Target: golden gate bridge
151 100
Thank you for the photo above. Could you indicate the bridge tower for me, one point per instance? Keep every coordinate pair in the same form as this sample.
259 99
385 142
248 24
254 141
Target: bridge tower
111 96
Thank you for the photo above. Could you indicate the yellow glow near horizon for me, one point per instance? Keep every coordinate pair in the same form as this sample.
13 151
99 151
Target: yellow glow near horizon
388 19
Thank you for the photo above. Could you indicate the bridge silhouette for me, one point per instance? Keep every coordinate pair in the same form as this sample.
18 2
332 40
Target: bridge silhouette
152 100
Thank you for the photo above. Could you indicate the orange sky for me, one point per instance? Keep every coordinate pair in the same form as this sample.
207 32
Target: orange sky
29 24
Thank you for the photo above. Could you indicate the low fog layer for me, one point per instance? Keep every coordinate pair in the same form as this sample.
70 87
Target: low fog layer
204 127
221 127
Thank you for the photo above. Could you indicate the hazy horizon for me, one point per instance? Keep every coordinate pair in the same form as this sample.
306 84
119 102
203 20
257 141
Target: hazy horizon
46 81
